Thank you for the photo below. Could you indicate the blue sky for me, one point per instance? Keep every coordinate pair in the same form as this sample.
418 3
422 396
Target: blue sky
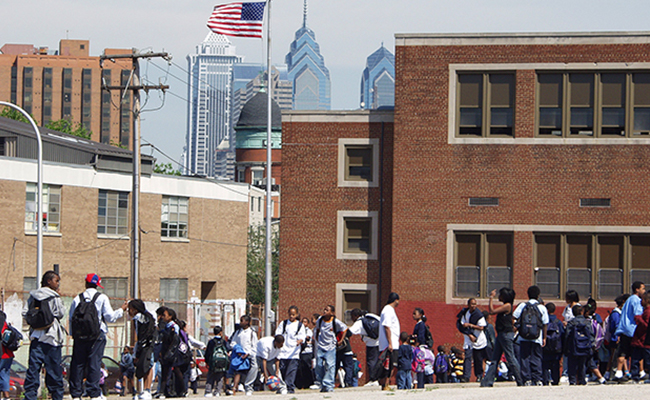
347 31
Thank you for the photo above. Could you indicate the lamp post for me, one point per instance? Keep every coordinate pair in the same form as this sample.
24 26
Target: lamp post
39 190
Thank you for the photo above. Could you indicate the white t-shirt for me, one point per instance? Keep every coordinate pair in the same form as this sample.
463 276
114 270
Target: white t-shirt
357 329
389 319
266 349
481 340
295 331
247 339
309 348
543 311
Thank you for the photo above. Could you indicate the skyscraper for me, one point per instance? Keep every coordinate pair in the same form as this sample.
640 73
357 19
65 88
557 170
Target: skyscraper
307 71
378 80
209 116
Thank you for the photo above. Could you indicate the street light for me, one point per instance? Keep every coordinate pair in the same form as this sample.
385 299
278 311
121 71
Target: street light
39 191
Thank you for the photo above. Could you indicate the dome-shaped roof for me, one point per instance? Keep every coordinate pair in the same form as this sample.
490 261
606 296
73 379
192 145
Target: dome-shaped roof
254 112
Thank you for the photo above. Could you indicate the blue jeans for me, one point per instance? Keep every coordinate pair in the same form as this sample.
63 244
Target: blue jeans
326 368
86 356
5 367
577 370
289 369
504 345
347 363
404 379
531 361
42 354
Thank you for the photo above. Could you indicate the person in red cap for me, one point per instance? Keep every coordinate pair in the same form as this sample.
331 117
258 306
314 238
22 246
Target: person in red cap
89 313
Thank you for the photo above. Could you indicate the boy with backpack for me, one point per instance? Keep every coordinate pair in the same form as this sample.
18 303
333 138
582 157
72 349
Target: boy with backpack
578 345
216 358
89 313
599 336
328 333
611 338
531 322
552 350
43 313
367 325
441 365
404 363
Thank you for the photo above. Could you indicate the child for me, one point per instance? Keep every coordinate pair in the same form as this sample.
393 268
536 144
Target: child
578 344
216 358
429 361
639 347
552 351
195 372
592 361
417 366
441 365
404 361
126 370
457 362
102 380
611 338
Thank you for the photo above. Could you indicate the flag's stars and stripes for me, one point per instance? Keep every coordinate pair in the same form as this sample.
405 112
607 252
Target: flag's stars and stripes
238 19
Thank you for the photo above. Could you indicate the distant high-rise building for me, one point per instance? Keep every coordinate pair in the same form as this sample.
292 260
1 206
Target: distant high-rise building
378 80
307 71
209 116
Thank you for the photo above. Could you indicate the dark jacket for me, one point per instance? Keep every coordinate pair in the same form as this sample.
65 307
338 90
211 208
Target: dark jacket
217 340
569 345
473 319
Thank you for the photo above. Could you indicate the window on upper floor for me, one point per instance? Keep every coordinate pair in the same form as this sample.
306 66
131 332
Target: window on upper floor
51 208
485 106
174 217
482 262
585 105
358 163
357 235
112 213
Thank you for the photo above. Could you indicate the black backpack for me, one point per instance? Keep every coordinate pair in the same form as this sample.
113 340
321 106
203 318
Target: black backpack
371 326
85 321
39 314
428 337
284 326
529 324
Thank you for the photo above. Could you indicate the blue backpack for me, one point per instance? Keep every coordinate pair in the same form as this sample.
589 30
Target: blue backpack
441 364
554 337
581 340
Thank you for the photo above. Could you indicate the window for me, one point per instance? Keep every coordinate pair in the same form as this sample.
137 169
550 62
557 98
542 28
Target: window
482 262
28 88
174 294
357 235
47 95
358 163
606 104
86 103
596 265
66 94
112 213
125 110
486 105
174 217
105 130
14 84
29 283
117 290
51 208
354 295
352 300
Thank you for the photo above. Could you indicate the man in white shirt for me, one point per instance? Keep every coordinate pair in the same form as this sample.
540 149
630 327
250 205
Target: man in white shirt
294 335
389 331
531 348
268 350
87 352
246 337
475 341
372 345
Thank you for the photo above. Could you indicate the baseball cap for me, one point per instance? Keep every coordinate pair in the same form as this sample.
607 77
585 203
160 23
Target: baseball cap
94 278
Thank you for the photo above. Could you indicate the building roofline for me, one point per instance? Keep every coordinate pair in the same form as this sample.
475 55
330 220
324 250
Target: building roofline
521 38
342 116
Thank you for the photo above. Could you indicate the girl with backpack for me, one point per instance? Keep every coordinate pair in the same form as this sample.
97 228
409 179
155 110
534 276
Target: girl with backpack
441 365
505 337
420 329
145 331
169 359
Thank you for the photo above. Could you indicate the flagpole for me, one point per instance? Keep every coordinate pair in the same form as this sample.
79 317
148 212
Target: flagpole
269 211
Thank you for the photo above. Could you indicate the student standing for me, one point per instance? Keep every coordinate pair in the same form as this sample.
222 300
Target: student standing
46 341
371 340
404 360
7 357
305 376
216 358
389 332
246 337
145 331
326 332
626 328
471 324
552 350
639 350
441 365
294 335
578 344
505 337
531 317
611 338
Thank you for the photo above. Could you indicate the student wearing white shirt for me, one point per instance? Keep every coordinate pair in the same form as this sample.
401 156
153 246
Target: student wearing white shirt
389 331
475 341
246 337
531 349
372 345
268 350
294 335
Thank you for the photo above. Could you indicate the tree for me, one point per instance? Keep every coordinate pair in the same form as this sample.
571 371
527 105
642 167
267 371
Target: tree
12 113
256 260
66 126
166 169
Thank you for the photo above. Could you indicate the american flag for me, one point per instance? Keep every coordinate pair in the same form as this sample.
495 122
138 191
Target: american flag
238 19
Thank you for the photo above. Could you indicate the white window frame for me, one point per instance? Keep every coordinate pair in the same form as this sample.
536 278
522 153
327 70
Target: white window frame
117 226
51 228
340 235
181 234
342 182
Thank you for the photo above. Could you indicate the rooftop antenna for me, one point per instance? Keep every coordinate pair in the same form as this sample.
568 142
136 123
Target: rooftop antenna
67 31
304 15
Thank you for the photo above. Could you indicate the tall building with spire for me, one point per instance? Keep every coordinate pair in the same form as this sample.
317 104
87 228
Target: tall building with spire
378 80
209 116
307 71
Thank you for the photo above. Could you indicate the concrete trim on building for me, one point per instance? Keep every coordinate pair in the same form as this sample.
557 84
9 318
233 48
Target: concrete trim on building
503 39
366 287
342 182
352 116
453 90
340 234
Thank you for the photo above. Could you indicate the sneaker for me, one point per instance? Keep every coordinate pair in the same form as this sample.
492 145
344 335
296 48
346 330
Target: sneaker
249 393
527 383
207 395
372 383
312 387
161 397
283 391
539 384
564 379
642 375
240 388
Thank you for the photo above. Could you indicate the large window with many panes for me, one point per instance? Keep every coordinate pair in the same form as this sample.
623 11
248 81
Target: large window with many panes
112 213
482 262
601 265
485 105
593 105
174 217
51 218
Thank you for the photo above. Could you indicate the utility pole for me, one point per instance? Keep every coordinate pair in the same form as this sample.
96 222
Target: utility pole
134 85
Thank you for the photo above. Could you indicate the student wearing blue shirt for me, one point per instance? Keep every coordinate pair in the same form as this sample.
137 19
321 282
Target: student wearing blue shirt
613 321
627 326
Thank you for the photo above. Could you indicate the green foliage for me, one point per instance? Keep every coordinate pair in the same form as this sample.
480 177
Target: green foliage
166 169
117 144
66 126
256 260
14 114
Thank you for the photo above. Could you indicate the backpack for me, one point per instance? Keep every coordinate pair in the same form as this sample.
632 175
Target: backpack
183 353
428 338
286 322
11 338
441 364
529 323
580 340
219 361
85 321
39 314
599 334
417 363
371 326
607 331
554 337
489 335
